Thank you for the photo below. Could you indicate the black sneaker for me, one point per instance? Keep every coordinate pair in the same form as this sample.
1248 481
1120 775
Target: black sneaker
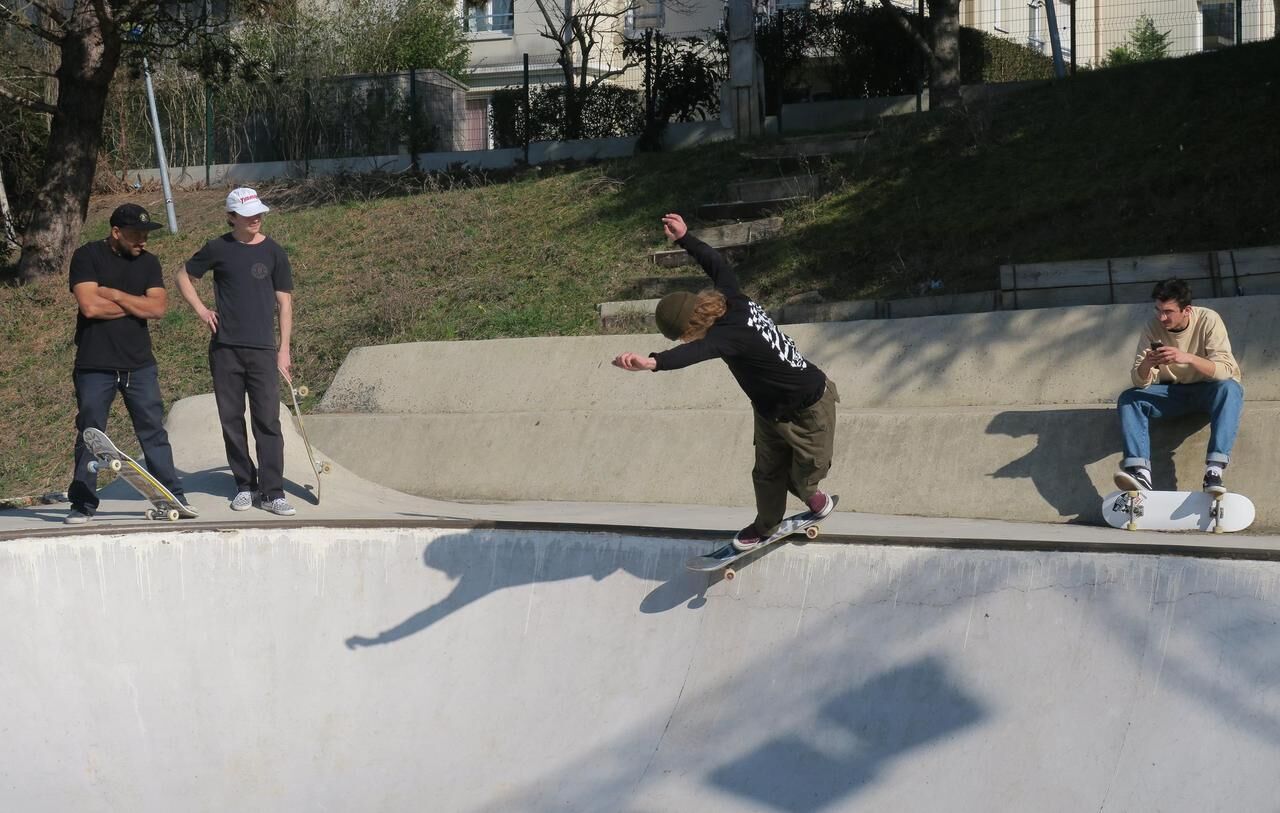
1213 481
1133 478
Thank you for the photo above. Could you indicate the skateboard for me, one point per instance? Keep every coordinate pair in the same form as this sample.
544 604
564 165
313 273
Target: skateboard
725 556
321 467
1177 511
107 456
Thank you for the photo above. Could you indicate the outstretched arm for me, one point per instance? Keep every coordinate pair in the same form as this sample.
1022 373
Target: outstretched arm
712 262
635 362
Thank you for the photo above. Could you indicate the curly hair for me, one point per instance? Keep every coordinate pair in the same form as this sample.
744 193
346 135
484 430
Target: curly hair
709 306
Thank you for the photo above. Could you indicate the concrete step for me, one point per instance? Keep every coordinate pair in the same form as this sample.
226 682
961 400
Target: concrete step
755 190
745 210
730 238
798 152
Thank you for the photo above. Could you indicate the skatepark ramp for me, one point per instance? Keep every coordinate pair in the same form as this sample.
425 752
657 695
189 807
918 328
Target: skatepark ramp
1005 415
464 669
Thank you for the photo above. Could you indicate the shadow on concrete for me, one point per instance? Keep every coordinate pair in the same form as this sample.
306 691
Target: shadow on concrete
1070 440
856 734
520 562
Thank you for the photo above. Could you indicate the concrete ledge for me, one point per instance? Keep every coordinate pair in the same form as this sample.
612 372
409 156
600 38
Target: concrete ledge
1062 356
1003 415
998 463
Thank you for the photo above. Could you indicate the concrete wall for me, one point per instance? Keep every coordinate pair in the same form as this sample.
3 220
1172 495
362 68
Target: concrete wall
1003 415
301 669
679 135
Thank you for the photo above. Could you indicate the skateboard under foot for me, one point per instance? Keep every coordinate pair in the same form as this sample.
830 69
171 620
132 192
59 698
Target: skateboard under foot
1177 511
724 557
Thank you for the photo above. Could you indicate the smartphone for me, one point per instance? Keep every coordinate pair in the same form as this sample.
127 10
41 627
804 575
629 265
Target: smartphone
1156 345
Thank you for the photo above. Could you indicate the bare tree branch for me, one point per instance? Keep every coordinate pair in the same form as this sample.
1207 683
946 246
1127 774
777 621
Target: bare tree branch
901 17
52 12
38 105
18 21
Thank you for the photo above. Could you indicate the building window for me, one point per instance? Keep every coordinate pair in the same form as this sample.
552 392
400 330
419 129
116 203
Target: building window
1218 23
644 14
491 15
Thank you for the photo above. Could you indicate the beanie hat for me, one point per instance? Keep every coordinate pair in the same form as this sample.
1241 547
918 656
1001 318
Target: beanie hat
674 312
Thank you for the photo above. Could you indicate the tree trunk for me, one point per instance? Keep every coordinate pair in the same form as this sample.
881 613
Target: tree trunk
6 217
944 59
944 54
90 53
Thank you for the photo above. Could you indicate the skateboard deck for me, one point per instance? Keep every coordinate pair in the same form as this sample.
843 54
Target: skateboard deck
725 556
164 505
1177 511
317 467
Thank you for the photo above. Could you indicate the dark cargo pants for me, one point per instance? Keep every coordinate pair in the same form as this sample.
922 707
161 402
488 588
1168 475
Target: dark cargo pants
792 456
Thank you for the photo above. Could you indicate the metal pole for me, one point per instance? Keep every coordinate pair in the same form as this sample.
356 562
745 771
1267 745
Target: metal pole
648 78
1073 37
208 134
1055 39
920 65
306 127
413 119
526 108
164 163
1239 22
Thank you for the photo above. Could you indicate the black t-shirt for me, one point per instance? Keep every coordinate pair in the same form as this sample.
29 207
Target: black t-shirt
245 280
114 344
763 359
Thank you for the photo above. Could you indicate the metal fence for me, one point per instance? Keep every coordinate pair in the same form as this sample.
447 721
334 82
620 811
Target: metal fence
641 73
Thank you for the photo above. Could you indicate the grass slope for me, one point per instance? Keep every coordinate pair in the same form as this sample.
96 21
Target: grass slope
1172 156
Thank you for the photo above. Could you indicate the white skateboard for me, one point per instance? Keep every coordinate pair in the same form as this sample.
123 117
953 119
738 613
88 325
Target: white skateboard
1177 511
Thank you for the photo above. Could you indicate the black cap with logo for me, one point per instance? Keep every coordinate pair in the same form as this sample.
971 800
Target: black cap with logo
133 216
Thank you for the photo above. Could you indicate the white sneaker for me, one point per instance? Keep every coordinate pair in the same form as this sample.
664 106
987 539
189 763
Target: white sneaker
279 506
76 517
243 501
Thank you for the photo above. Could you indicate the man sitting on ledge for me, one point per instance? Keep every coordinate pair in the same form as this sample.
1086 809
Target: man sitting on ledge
1183 366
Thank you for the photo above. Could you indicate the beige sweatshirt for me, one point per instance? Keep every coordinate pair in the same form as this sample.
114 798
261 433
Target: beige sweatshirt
1204 336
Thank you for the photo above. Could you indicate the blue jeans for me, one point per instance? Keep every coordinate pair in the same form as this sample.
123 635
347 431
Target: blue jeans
1223 401
95 390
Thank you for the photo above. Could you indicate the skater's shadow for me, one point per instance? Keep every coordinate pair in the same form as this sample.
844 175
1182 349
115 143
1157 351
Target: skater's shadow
1069 441
479 567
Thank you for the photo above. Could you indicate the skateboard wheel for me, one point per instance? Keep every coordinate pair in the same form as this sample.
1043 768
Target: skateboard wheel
114 465
325 468
94 466
149 514
811 532
1130 526
729 574
173 515
303 392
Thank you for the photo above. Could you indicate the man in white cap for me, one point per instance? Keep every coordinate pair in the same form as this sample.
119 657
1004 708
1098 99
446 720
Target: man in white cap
252 280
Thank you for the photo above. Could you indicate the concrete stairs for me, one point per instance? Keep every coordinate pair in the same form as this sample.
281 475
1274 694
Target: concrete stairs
728 238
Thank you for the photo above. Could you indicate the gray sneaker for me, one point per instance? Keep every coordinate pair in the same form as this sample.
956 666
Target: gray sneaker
76 517
243 501
279 506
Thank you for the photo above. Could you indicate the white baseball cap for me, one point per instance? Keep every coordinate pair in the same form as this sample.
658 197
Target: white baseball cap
244 201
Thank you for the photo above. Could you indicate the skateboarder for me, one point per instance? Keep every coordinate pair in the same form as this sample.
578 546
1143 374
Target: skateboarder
793 401
1183 365
252 279
118 287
